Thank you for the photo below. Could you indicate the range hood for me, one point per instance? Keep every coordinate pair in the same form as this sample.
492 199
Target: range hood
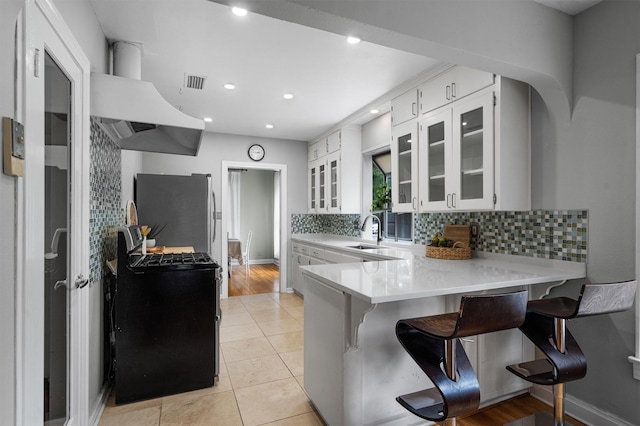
135 114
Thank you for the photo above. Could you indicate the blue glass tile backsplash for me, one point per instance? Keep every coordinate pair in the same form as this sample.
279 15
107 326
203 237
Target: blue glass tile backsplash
106 212
550 234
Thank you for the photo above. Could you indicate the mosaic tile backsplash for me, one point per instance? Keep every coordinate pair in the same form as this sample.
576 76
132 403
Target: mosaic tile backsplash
549 234
105 211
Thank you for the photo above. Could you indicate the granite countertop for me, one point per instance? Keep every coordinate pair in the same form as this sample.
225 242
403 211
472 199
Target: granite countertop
411 275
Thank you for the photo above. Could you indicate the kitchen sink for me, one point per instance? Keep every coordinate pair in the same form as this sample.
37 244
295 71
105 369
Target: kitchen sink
366 247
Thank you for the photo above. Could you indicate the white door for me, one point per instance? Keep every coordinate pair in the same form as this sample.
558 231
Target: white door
52 317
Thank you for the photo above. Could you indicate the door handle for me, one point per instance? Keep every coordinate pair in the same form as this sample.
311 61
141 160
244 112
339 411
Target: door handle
81 281
58 284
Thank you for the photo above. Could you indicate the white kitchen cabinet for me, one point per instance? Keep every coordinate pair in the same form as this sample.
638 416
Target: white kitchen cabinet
303 255
454 84
404 167
331 187
404 107
474 153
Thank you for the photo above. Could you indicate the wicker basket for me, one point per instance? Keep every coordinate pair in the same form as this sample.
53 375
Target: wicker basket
459 251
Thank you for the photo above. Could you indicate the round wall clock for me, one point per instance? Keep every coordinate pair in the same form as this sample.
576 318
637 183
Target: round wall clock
256 152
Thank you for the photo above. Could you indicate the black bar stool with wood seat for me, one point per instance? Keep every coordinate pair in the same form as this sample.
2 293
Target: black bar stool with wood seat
433 341
545 326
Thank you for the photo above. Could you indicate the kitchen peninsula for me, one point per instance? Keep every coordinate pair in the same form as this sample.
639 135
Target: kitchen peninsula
354 365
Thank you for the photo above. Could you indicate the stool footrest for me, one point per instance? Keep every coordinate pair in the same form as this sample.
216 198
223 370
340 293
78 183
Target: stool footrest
540 371
427 403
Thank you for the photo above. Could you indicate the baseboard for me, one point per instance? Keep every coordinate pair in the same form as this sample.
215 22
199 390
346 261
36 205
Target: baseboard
257 262
98 406
578 409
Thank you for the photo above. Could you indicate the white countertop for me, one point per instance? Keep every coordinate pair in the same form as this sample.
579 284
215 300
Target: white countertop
412 275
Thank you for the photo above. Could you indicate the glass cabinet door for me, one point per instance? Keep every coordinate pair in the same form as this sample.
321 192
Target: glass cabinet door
313 187
473 155
334 179
404 169
322 181
435 161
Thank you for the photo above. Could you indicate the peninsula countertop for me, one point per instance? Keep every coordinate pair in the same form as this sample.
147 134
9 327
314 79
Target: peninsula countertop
411 275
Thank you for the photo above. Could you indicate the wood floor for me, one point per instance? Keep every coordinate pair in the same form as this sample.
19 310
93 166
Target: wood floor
260 279
266 279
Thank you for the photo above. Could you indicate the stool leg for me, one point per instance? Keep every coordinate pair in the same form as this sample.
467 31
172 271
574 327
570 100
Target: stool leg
450 369
558 389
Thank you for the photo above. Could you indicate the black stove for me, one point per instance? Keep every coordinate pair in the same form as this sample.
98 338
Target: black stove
172 261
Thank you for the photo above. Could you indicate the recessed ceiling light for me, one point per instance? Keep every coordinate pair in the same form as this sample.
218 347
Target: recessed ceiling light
229 86
374 111
287 96
269 126
208 119
238 11
353 40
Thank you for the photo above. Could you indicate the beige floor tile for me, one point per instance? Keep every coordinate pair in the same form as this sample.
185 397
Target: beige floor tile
249 298
214 409
260 305
306 419
255 371
294 361
300 380
287 342
239 332
272 401
112 408
283 296
270 315
296 312
149 416
292 302
300 320
247 349
236 308
230 301
280 326
236 319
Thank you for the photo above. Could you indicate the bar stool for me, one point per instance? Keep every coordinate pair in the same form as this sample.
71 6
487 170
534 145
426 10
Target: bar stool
545 326
434 341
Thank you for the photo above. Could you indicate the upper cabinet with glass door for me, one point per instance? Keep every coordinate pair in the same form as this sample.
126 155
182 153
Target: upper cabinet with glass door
404 166
474 153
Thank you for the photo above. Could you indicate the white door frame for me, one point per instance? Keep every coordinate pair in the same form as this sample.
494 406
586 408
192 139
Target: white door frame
43 30
284 225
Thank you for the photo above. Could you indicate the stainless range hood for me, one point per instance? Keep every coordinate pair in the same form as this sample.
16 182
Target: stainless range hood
134 113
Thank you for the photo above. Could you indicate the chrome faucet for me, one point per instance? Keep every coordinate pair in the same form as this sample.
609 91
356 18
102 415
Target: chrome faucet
364 224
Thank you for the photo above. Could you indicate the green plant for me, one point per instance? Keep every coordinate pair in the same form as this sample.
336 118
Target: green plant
381 197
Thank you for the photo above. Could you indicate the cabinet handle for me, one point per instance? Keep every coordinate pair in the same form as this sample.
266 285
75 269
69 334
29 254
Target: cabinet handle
453 200
413 203
453 90
448 201
448 93
413 108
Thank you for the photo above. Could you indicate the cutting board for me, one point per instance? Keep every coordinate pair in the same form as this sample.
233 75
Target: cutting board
458 233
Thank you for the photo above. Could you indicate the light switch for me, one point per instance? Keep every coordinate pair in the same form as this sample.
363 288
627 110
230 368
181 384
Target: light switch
13 147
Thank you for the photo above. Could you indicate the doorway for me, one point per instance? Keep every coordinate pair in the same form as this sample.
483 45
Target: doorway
262 190
253 232
53 222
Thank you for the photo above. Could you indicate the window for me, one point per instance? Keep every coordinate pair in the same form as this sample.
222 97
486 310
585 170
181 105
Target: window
395 226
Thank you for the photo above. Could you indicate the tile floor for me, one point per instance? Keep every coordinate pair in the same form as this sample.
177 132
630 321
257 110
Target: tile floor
261 373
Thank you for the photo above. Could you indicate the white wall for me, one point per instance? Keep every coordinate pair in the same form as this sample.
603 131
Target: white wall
218 147
8 13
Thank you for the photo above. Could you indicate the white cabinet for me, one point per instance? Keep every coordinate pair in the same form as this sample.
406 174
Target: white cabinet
303 255
474 153
452 85
404 107
456 157
331 187
404 167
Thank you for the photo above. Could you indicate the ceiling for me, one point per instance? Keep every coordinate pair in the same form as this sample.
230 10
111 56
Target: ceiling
264 58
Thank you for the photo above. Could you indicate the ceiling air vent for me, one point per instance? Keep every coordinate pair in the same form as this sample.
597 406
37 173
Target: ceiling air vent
194 81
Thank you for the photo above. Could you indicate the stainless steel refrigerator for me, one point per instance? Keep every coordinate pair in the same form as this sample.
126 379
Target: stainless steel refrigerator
184 205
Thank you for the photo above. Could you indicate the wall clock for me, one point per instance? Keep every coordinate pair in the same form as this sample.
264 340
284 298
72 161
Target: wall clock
256 152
